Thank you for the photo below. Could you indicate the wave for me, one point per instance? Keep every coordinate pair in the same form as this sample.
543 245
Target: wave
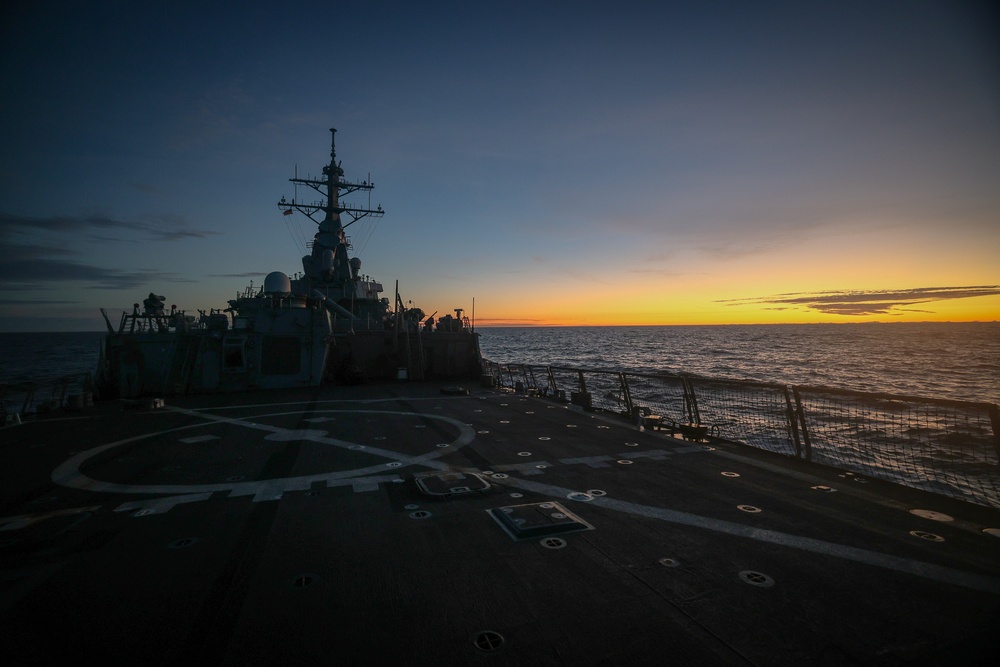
942 360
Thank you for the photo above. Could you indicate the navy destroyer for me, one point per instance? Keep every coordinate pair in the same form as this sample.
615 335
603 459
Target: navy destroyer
330 324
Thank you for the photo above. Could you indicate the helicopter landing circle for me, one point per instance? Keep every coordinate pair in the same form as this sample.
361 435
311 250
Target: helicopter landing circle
69 473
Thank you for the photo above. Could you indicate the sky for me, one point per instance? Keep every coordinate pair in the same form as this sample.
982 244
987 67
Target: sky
544 162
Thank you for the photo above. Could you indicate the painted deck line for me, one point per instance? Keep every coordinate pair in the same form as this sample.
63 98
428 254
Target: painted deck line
68 473
905 565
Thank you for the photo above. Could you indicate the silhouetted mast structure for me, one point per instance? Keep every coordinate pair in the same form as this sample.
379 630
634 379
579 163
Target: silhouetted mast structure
328 260
331 188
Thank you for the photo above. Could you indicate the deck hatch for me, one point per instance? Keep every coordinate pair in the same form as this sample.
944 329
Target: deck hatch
537 520
451 484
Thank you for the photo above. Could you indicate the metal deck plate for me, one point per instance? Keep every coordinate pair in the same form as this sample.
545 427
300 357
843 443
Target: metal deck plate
451 483
537 520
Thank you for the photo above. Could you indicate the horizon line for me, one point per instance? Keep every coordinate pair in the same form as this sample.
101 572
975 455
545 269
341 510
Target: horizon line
600 326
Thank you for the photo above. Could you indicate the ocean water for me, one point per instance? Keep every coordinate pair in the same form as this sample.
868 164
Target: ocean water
958 361
42 357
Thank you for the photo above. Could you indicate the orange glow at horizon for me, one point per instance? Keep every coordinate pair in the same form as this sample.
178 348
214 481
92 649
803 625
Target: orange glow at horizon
694 311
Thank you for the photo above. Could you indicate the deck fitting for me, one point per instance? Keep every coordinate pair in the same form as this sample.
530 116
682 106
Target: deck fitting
445 484
924 535
488 641
932 515
756 578
553 542
537 520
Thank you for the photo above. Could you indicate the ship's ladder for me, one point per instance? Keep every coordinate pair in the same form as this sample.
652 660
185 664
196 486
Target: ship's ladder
187 350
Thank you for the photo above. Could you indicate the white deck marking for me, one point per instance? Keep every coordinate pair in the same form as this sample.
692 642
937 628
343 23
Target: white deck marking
527 468
68 474
654 454
600 461
198 438
921 569
161 505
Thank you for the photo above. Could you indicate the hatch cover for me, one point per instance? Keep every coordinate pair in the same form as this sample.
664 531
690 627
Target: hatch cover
523 522
451 483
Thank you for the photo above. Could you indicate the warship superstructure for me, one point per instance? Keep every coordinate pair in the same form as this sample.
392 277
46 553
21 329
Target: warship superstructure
329 324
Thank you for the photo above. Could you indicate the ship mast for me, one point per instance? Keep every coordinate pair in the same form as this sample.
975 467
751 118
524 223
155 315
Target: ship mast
328 261
331 187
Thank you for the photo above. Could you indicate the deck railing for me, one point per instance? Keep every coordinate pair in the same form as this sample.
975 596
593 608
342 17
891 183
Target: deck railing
21 399
942 446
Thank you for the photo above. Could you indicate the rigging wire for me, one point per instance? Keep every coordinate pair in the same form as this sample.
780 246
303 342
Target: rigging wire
370 229
295 229
303 238
369 226
297 240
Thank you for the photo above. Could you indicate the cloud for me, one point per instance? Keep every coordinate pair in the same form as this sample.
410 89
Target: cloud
29 261
866 302
163 228
29 273
35 302
16 252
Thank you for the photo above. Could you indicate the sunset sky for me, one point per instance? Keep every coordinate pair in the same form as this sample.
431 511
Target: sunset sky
558 162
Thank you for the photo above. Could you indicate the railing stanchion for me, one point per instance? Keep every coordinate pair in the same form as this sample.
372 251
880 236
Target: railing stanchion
802 423
793 428
626 395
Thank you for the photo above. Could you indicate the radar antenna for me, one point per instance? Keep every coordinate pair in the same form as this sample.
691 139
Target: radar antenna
331 188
